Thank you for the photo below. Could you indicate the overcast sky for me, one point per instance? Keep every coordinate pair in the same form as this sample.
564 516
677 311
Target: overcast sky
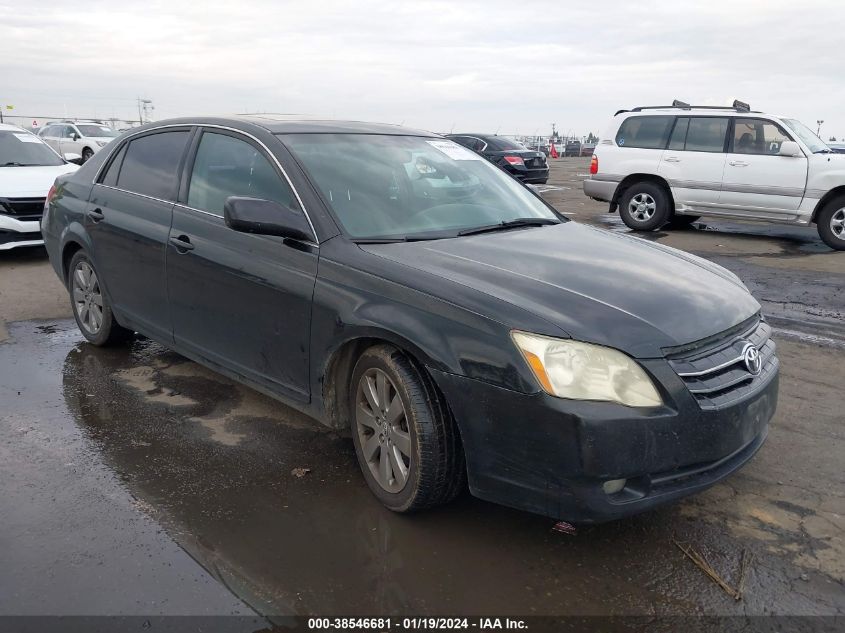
483 66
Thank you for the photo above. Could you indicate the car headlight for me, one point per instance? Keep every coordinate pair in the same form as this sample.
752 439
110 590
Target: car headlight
581 371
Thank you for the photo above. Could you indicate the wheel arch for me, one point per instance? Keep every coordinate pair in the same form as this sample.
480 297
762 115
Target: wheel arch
336 372
631 179
827 197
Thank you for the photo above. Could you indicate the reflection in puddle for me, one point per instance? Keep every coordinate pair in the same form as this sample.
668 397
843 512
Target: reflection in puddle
213 462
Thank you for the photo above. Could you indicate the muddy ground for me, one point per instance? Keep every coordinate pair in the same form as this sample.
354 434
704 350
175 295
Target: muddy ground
135 481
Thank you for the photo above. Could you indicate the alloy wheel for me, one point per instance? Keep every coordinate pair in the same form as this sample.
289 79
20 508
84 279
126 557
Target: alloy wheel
837 224
87 297
383 430
642 207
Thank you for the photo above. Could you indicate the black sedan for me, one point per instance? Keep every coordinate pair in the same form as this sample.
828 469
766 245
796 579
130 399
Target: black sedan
529 166
395 284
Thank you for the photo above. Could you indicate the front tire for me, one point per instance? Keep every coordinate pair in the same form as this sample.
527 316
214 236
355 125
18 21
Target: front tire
406 441
91 307
830 223
87 153
644 206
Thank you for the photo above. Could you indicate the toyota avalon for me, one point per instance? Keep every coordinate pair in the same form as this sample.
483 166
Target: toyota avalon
393 284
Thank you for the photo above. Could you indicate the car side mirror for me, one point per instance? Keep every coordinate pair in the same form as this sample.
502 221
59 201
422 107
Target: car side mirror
265 217
790 148
74 136
72 157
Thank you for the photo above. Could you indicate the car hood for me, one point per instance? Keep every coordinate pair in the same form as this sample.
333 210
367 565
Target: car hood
595 285
30 182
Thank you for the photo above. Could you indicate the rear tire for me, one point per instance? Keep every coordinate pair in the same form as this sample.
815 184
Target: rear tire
91 307
830 223
419 443
87 153
644 206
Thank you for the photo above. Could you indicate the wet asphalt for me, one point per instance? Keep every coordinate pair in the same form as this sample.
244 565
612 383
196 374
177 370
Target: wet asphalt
134 481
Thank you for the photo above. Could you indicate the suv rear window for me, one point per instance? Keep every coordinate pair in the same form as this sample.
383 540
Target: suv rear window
644 132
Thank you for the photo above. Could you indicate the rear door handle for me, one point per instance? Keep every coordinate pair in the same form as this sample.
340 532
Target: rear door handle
672 159
738 163
182 243
96 214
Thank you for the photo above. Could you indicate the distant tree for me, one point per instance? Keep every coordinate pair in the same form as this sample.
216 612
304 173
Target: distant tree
592 138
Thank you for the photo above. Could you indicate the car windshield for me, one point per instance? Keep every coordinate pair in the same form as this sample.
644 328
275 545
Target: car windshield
399 187
806 135
96 130
22 149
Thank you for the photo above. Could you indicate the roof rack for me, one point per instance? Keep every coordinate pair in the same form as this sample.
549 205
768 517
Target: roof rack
737 106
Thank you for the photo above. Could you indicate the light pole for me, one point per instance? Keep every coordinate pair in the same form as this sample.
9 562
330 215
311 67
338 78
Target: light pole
819 128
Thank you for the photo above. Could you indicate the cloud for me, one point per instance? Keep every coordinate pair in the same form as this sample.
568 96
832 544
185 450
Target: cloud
479 65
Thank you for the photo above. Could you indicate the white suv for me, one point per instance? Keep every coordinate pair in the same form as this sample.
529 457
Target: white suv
673 164
81 138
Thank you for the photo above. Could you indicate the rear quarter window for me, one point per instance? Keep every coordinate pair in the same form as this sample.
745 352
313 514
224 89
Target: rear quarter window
644 132
151 164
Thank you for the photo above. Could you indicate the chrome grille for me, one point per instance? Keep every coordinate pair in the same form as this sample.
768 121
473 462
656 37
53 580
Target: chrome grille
26 209
718 376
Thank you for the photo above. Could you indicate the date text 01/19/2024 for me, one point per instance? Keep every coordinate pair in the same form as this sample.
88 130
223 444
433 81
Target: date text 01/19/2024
415 624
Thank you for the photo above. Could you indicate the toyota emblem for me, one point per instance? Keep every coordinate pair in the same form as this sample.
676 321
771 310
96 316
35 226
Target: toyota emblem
751 357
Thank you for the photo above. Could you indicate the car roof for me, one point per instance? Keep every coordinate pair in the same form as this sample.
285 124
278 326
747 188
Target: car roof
291 124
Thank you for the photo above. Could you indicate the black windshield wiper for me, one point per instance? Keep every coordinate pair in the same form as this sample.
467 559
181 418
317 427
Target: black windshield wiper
12 163
420 237
509 224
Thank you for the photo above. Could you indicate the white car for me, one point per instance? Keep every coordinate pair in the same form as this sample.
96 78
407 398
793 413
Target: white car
28 168
84 139
673 164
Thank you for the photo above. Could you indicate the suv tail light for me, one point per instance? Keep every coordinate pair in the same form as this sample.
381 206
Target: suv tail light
513 160
594 164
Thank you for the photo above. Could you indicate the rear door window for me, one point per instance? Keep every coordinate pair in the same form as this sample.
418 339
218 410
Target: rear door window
644 132
151 164
227 166
679 134
706 134
110 177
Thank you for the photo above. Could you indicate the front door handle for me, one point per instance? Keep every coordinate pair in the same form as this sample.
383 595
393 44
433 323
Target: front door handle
672 159
96 214
738 163
182 243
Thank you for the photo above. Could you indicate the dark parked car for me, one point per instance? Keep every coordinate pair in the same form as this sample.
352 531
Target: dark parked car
573 148
527 165
394 283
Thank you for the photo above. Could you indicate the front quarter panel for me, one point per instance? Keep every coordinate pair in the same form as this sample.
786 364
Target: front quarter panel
353 300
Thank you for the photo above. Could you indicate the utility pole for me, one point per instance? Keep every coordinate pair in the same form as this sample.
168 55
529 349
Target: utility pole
145 107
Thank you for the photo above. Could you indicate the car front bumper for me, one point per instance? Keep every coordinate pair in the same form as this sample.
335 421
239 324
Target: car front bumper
600 189
552 456
14 233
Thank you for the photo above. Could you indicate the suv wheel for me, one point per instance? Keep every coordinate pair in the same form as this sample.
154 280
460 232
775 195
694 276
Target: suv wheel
406 441
87 153
644 206
91 307
831 223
